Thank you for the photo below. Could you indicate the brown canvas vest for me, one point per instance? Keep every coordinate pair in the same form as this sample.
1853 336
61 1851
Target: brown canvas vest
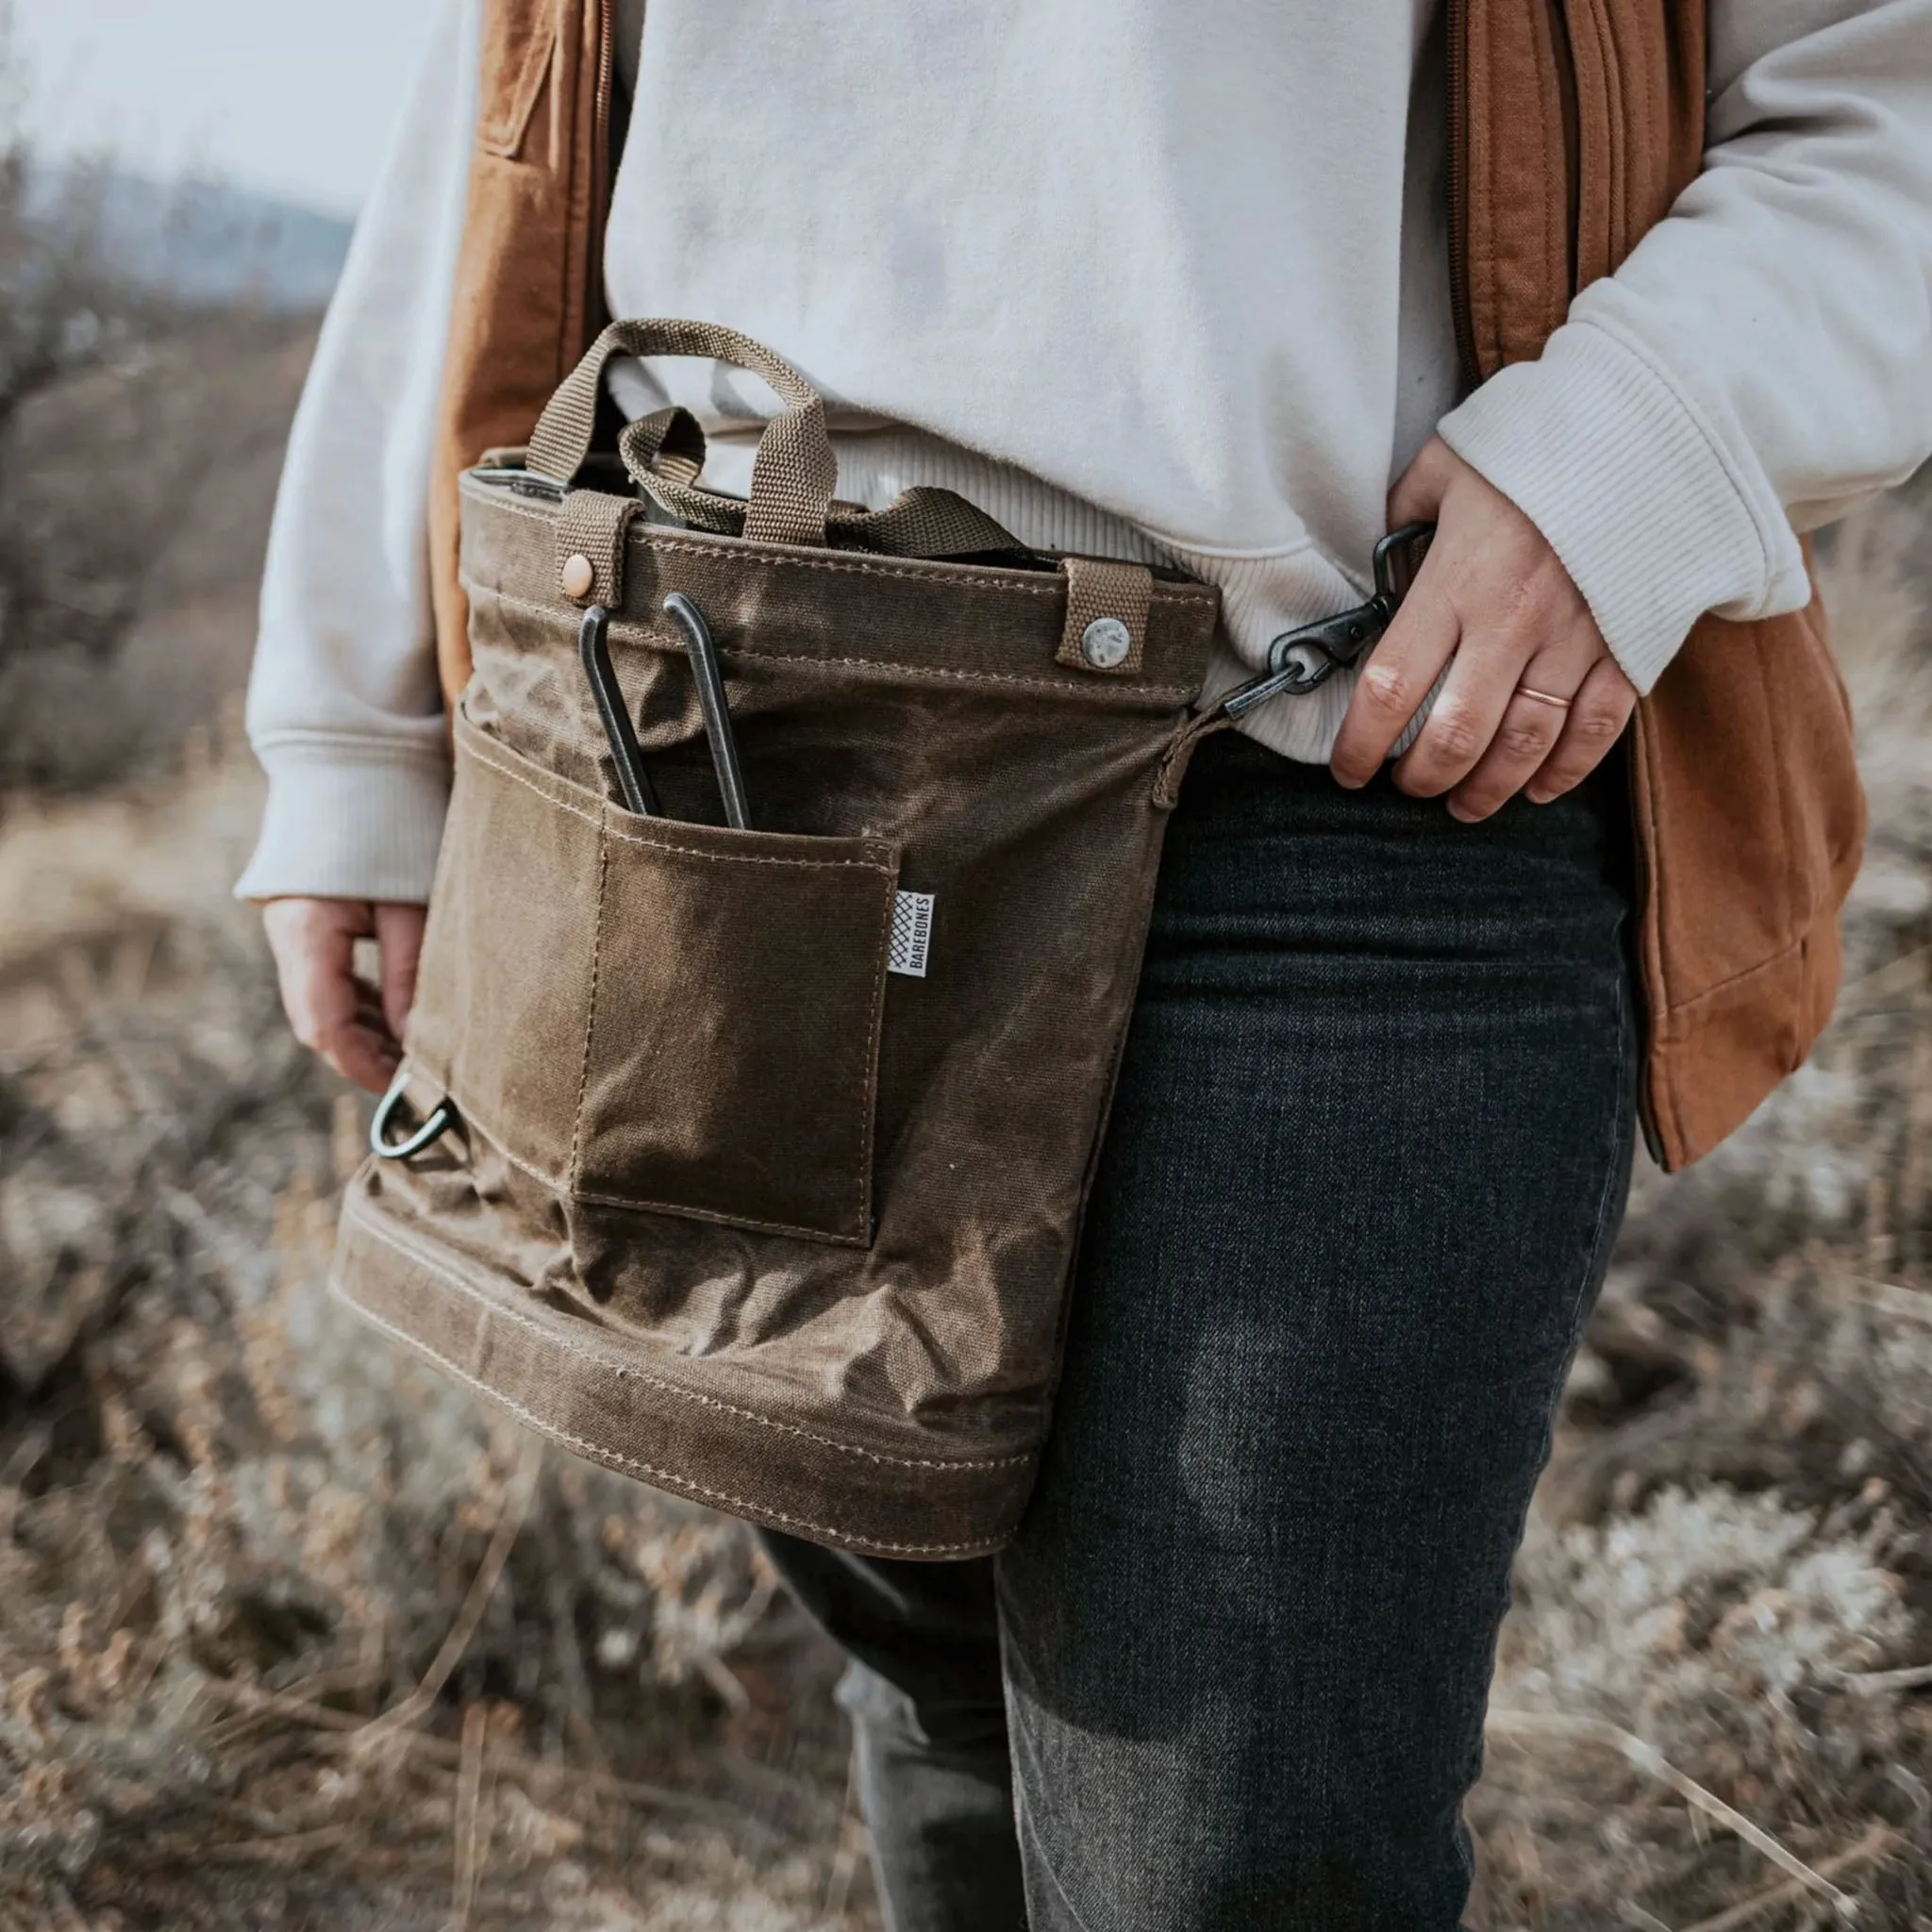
1575 124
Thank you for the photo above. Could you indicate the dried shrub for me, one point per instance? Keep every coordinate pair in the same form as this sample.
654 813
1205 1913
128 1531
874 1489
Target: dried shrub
291 1633
1728 1576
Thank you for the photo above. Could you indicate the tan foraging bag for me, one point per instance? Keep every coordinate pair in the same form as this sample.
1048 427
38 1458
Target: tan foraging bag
751 1162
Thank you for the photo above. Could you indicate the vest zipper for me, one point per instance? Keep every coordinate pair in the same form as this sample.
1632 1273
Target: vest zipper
603 163
1642 884
1459 193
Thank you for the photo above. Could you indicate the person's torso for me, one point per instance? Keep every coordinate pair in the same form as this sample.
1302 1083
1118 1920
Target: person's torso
1179 273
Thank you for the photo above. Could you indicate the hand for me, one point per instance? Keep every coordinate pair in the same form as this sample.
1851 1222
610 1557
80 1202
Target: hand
1495 596
358 1028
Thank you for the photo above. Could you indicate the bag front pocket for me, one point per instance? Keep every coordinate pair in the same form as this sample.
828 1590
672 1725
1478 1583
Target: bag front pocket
671 1017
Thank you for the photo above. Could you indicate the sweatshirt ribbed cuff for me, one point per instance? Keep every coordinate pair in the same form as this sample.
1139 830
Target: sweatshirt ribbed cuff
1631 491
347 821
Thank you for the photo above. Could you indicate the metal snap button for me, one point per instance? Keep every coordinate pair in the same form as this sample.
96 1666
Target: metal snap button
1104 644
577 575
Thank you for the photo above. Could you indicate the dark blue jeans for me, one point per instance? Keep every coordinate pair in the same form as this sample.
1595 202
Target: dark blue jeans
1370 1144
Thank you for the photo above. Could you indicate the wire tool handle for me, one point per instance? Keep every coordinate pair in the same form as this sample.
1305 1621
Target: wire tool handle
710 675
593 649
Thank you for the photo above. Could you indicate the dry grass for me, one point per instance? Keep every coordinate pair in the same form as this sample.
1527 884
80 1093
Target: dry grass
1730 1562
292 1635
134 511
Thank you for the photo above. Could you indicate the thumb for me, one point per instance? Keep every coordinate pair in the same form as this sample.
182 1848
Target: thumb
1420 489
399 939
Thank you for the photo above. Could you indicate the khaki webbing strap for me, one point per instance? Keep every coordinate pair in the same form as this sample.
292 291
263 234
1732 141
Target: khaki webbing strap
1107 616
562 436
590 531
792 477
794 474
921 521
672 442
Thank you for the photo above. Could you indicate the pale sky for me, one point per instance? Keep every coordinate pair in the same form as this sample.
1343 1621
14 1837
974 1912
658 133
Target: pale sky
293 97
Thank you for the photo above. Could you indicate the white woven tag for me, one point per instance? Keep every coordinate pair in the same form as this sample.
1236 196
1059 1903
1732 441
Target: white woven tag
911 934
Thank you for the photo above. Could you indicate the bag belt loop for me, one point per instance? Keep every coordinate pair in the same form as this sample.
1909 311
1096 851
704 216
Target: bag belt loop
1107 616
592 527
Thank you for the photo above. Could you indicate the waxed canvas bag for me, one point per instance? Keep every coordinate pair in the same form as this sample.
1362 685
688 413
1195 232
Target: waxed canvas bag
751 1162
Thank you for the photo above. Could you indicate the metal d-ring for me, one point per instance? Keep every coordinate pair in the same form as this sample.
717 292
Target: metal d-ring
442 1117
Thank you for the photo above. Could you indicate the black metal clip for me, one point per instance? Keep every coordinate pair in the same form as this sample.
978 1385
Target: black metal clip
593 652
710 675
1306 659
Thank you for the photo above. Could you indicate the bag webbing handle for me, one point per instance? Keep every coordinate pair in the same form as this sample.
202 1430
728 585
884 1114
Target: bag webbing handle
793 476
795 473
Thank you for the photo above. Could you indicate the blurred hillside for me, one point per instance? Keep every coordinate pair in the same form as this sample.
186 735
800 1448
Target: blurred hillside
294 1635
205 243
134 506
284 1561
152 344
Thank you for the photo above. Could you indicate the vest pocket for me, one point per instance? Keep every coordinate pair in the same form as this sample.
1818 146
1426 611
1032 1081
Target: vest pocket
649 1014
519 42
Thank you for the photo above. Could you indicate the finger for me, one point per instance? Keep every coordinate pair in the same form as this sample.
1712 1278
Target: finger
1527 728
1393 683
367 1055
330 1011
399 935
1462 722
314 942
1419 491
1597 717
1525 733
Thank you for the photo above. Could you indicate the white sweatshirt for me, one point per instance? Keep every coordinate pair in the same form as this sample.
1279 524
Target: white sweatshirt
1141 279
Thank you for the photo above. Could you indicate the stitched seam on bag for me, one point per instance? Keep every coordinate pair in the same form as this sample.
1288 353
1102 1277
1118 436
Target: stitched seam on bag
661 1479
868 1091
471 1117
576 1129
885 872
565 1184
717 1217
1070 686
408 1248
591 818
1171 597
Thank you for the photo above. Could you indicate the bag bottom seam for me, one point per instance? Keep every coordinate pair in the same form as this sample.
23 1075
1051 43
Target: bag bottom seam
414 1254
633 1466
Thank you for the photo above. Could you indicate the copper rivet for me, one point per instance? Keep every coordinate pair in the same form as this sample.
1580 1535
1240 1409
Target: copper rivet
578 575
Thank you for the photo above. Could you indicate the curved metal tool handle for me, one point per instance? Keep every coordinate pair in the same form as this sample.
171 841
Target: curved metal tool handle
593 653
1398 558
710 675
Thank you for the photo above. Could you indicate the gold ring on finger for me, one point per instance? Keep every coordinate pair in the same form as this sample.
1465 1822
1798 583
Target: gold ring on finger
1542 698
